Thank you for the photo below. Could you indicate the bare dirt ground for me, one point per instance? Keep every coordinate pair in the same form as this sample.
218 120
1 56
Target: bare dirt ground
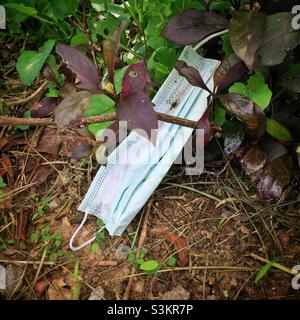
216 215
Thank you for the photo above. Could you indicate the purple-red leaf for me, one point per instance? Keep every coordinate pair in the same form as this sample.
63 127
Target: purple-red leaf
275 178
230 70
247 111
137 109
87 76
204 124
254 160
245 34
110 50
44 107
191 74
192 26
135 78
71 108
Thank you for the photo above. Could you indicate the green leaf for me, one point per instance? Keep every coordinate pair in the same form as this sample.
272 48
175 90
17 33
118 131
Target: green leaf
100 223
140 261
171 261
257 90
51 61
149 266
226 45
27 115
65 8
21 8
94 247
2 183
239 87
119 74
219 114
278 131
79 39
30 63
264 270
99 105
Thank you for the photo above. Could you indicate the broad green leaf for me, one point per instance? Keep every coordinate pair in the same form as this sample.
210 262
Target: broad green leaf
30 63
257 90
171 261
22 8
65 8
79 39
99 105
149 266
239 87
277 130
220 5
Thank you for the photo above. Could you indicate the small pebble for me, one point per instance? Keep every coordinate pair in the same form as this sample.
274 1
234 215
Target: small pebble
122 251
97 294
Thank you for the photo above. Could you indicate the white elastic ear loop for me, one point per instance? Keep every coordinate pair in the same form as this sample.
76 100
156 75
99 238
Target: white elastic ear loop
72 247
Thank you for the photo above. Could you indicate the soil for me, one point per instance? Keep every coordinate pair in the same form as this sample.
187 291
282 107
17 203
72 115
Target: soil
220 237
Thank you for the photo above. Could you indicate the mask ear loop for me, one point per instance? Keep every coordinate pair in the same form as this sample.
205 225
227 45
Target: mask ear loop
74 248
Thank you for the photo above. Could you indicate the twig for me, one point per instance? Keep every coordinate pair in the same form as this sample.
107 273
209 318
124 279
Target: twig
40 90
90 120
48 263
210 268
275 264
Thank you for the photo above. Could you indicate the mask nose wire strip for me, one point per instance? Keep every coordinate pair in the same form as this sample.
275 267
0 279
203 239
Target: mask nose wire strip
74 248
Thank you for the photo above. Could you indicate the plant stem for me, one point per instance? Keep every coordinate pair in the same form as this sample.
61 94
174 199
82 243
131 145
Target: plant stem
274 264
90 120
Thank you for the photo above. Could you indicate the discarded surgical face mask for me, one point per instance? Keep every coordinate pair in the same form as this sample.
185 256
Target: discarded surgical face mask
136 167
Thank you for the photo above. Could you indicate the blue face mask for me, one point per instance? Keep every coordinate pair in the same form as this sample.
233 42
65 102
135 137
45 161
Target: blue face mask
122 187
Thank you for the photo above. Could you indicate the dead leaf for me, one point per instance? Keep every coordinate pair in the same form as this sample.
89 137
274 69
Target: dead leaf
3 142
42 173
110 50
41 287
177 293
6 198
179 244
6 163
